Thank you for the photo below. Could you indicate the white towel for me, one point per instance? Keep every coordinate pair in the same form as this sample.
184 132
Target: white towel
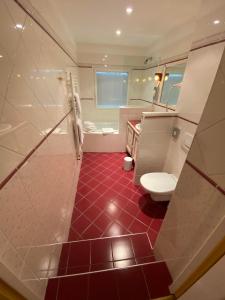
77 104
80 131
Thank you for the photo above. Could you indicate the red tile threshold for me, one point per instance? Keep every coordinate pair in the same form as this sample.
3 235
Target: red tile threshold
106 253
137 282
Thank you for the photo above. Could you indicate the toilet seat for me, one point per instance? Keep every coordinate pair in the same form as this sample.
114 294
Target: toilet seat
159 183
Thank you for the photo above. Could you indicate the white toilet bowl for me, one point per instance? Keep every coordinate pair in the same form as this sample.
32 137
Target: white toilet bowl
159 185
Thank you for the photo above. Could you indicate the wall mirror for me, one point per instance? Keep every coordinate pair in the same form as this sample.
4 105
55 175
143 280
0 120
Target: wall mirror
172 82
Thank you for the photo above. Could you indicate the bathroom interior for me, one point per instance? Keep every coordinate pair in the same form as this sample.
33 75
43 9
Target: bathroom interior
112 166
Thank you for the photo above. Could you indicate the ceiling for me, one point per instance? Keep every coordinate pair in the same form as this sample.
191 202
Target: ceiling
95 21
157 28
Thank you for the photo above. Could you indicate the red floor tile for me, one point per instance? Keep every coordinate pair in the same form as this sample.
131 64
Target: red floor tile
141 216
91 232
132 208
103 286
114 229
79 256
81 224
101 251
125 219
73 235
141 246
158 279
138 227
131 284
156 224
103 266
105 187
63 262
122 248
52 289
92 212
124 263
152 236
112 210
103 221
75 287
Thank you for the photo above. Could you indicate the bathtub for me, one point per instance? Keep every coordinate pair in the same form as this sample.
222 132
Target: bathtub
100 127
99 139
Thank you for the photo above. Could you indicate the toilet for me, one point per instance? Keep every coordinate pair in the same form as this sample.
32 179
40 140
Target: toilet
160 185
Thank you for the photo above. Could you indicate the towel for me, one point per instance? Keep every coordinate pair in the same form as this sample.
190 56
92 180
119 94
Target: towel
80 131
77 103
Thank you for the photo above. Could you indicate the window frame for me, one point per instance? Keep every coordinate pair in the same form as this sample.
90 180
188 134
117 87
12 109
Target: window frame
95 83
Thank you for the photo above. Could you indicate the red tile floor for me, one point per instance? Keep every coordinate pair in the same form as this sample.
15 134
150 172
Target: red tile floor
114 225
109 204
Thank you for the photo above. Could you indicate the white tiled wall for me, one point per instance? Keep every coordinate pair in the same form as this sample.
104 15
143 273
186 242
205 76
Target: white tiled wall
201 69
36 203
197 209
176 152
153 145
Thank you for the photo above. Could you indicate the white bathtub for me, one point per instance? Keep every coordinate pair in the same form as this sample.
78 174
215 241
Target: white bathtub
101 127
99 140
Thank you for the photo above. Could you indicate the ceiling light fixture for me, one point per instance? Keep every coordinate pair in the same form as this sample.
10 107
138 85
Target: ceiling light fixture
118 32
19 26
129 10
216 22
103 59
105 66
1 56
106 55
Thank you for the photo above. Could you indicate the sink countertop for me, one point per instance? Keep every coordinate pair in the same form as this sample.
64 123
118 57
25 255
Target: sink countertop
132 123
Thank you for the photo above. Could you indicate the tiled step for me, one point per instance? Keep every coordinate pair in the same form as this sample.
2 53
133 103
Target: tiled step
105 253
133 283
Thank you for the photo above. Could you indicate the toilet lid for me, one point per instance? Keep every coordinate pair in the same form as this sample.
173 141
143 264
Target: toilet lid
159 182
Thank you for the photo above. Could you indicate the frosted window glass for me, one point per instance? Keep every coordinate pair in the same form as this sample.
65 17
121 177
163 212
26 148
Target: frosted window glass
111 89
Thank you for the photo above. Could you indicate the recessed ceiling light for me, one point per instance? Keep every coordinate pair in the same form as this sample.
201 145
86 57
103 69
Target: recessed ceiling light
118 32
129 10
19 26
105 66
216 22
1 56
106 55
103 59
18 75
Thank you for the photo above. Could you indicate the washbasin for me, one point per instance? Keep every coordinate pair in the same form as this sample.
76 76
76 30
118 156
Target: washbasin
138 126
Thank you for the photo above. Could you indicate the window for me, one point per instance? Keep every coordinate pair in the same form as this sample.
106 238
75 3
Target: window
172 84
111 89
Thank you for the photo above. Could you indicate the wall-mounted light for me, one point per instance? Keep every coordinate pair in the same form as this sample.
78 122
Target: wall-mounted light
158 76
166 76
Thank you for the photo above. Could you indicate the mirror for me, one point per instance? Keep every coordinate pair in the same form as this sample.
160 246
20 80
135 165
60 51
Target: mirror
172 83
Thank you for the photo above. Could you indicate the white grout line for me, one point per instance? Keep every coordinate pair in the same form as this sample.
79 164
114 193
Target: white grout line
149 241
108 270
93 239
